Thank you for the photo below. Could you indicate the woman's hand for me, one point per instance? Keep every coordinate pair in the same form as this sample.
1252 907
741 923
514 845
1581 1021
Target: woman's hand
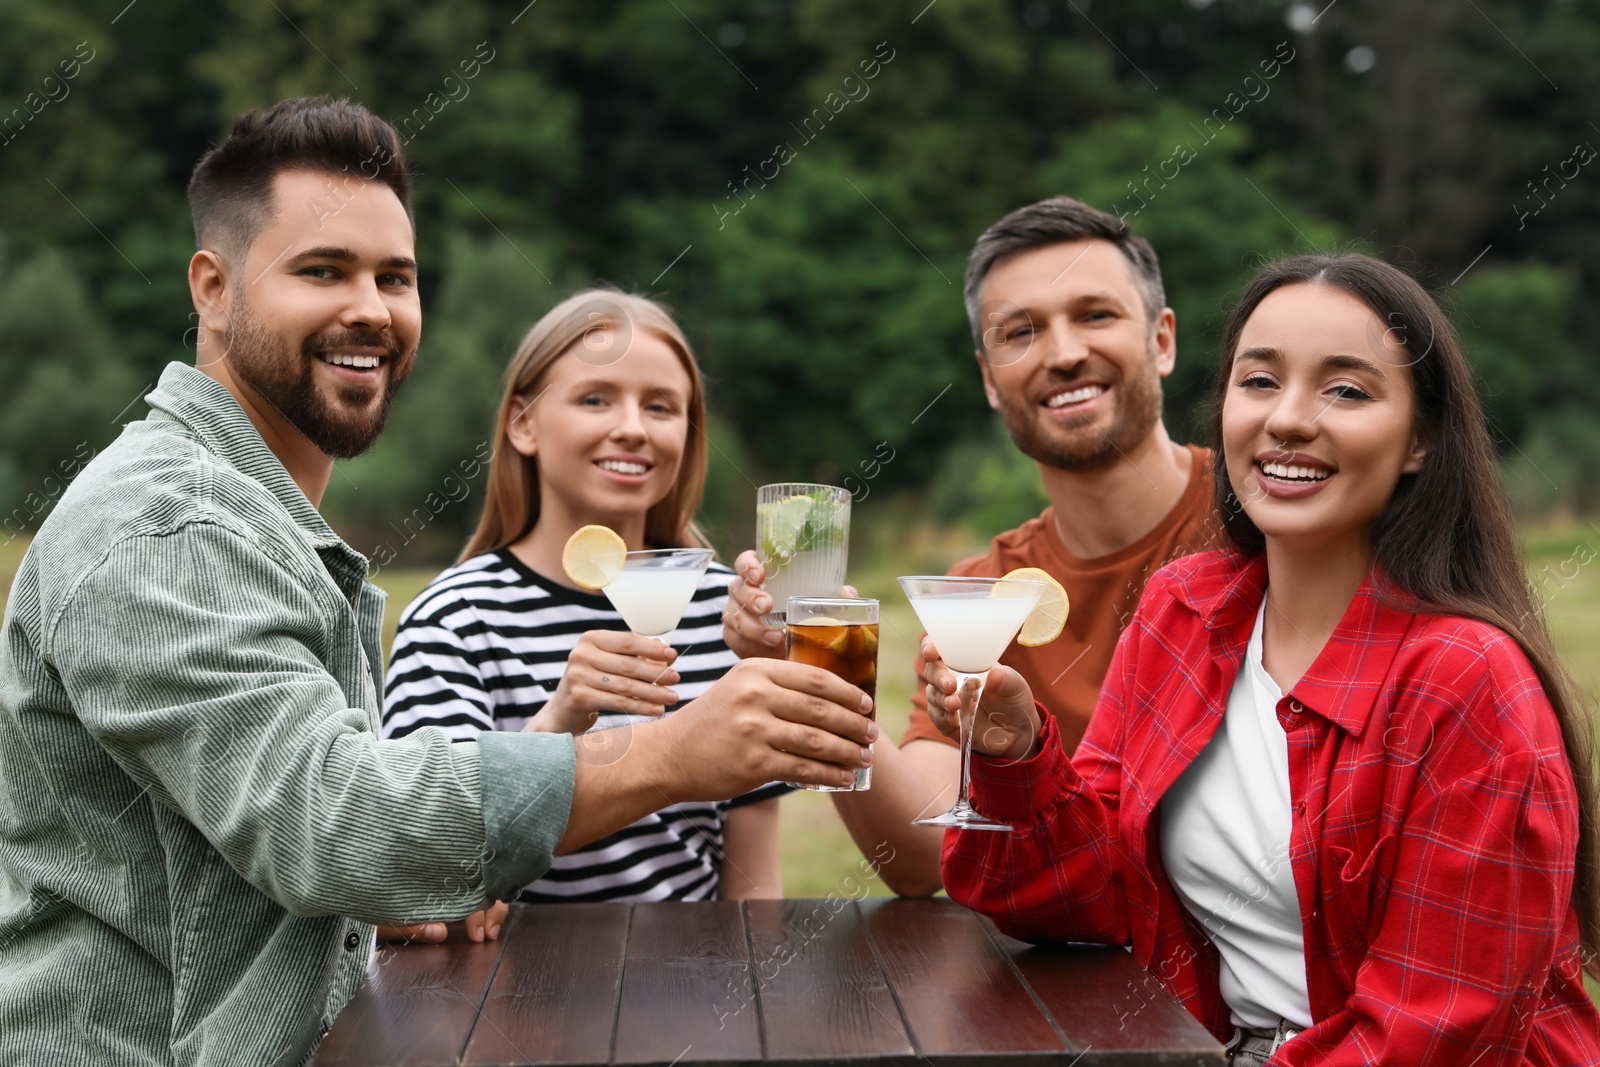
479 926
742 625
609 670
1007 722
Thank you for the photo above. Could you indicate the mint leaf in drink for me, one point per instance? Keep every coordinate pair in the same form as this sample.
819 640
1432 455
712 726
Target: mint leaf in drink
781 525
795 524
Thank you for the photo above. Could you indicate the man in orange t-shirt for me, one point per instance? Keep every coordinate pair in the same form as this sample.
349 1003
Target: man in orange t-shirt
1073 337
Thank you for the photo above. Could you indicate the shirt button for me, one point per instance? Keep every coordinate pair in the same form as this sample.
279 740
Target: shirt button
352 941
1296 707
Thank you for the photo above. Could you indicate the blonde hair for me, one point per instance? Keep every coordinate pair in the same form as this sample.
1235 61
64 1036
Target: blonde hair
511 501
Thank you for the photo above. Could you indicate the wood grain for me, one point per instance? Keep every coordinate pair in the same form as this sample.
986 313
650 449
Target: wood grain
956 989
879 983
554 996
416 1007
686 987
823 996
1108 1005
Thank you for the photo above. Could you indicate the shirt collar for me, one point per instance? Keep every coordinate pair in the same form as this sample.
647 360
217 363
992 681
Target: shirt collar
205 406
1344 681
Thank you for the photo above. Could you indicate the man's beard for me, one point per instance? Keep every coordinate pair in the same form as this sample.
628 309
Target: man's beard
286 379
1085 447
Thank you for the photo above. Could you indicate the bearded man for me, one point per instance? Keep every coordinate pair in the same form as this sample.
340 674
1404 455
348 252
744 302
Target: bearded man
199 826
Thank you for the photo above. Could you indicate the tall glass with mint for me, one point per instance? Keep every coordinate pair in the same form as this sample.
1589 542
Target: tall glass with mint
803 532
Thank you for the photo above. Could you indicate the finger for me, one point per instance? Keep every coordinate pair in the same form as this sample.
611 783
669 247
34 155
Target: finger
651 672
831 738
749 567
427 932
606 691
822 747
753 601
938 714
816 682
747 593
620 643
629 706
939 677
826 715
849 591
497 917
810 772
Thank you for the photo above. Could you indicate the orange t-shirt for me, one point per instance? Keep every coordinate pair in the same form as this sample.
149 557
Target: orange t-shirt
1065 675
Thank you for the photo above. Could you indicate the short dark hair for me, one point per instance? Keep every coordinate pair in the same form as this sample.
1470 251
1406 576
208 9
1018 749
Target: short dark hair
1056 221
230 192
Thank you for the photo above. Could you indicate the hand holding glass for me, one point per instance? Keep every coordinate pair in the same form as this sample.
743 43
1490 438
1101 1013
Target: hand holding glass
840 635
971 621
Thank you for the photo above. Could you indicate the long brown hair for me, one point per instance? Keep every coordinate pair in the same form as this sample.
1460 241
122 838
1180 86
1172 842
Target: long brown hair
511 503
1446 540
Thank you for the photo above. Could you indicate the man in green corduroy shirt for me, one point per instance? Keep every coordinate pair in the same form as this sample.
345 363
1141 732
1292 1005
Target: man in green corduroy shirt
198 824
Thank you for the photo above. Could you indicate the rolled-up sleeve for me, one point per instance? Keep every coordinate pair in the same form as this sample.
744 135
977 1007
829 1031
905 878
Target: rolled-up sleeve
191 657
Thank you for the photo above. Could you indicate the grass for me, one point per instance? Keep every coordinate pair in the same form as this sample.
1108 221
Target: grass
818 854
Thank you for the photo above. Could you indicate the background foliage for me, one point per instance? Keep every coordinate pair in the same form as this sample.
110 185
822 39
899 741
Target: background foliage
603 140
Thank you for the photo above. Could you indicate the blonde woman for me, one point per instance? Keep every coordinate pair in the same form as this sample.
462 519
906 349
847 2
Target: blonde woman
602 421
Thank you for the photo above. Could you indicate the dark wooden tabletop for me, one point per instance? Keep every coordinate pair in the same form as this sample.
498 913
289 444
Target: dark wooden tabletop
827 982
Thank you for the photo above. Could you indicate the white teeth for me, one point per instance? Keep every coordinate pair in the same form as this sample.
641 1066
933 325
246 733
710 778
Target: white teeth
621 467
339 359
1077 396
1280 470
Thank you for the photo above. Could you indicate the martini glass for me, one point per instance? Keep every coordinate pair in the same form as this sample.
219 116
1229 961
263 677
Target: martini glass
971 620
655 586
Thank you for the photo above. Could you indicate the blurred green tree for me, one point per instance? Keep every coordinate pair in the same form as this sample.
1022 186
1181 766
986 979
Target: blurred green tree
67 385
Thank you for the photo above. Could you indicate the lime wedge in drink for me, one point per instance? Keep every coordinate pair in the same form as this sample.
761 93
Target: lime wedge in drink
795 524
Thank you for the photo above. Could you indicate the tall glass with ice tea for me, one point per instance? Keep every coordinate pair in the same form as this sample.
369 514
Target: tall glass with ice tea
838 634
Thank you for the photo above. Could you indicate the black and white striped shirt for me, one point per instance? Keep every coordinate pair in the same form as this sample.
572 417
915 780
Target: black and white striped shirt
483 647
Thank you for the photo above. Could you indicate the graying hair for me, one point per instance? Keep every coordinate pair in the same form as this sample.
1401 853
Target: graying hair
1055 221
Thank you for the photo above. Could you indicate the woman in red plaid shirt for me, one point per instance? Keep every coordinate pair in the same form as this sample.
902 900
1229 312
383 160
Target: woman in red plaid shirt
1337 793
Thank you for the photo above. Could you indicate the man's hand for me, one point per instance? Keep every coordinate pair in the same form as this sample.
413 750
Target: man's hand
609 670
742 626
1006 724
767 721
764 721
479 926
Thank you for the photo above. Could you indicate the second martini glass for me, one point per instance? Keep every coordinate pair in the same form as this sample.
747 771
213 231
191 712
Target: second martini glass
971 620
655 586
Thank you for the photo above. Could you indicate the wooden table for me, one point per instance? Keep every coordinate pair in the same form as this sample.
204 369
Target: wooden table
828 982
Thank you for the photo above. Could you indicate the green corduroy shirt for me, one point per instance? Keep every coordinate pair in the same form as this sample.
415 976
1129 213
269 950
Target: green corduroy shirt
198 823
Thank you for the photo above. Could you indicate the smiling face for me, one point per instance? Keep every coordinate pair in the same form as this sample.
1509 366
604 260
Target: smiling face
1318 418
323 316
1071 359
607 435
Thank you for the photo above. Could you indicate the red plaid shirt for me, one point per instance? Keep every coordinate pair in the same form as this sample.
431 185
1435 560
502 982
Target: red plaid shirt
1435 829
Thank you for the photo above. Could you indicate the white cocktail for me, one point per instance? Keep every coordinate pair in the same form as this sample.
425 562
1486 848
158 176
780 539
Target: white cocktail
655 586
971 621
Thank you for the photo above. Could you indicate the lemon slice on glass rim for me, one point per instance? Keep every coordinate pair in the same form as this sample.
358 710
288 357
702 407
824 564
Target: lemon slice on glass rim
1049 615
593 556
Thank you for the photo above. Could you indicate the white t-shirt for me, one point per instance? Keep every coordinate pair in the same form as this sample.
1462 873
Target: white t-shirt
1225 827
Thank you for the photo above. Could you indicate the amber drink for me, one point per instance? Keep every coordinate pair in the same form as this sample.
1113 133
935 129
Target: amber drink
838 634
